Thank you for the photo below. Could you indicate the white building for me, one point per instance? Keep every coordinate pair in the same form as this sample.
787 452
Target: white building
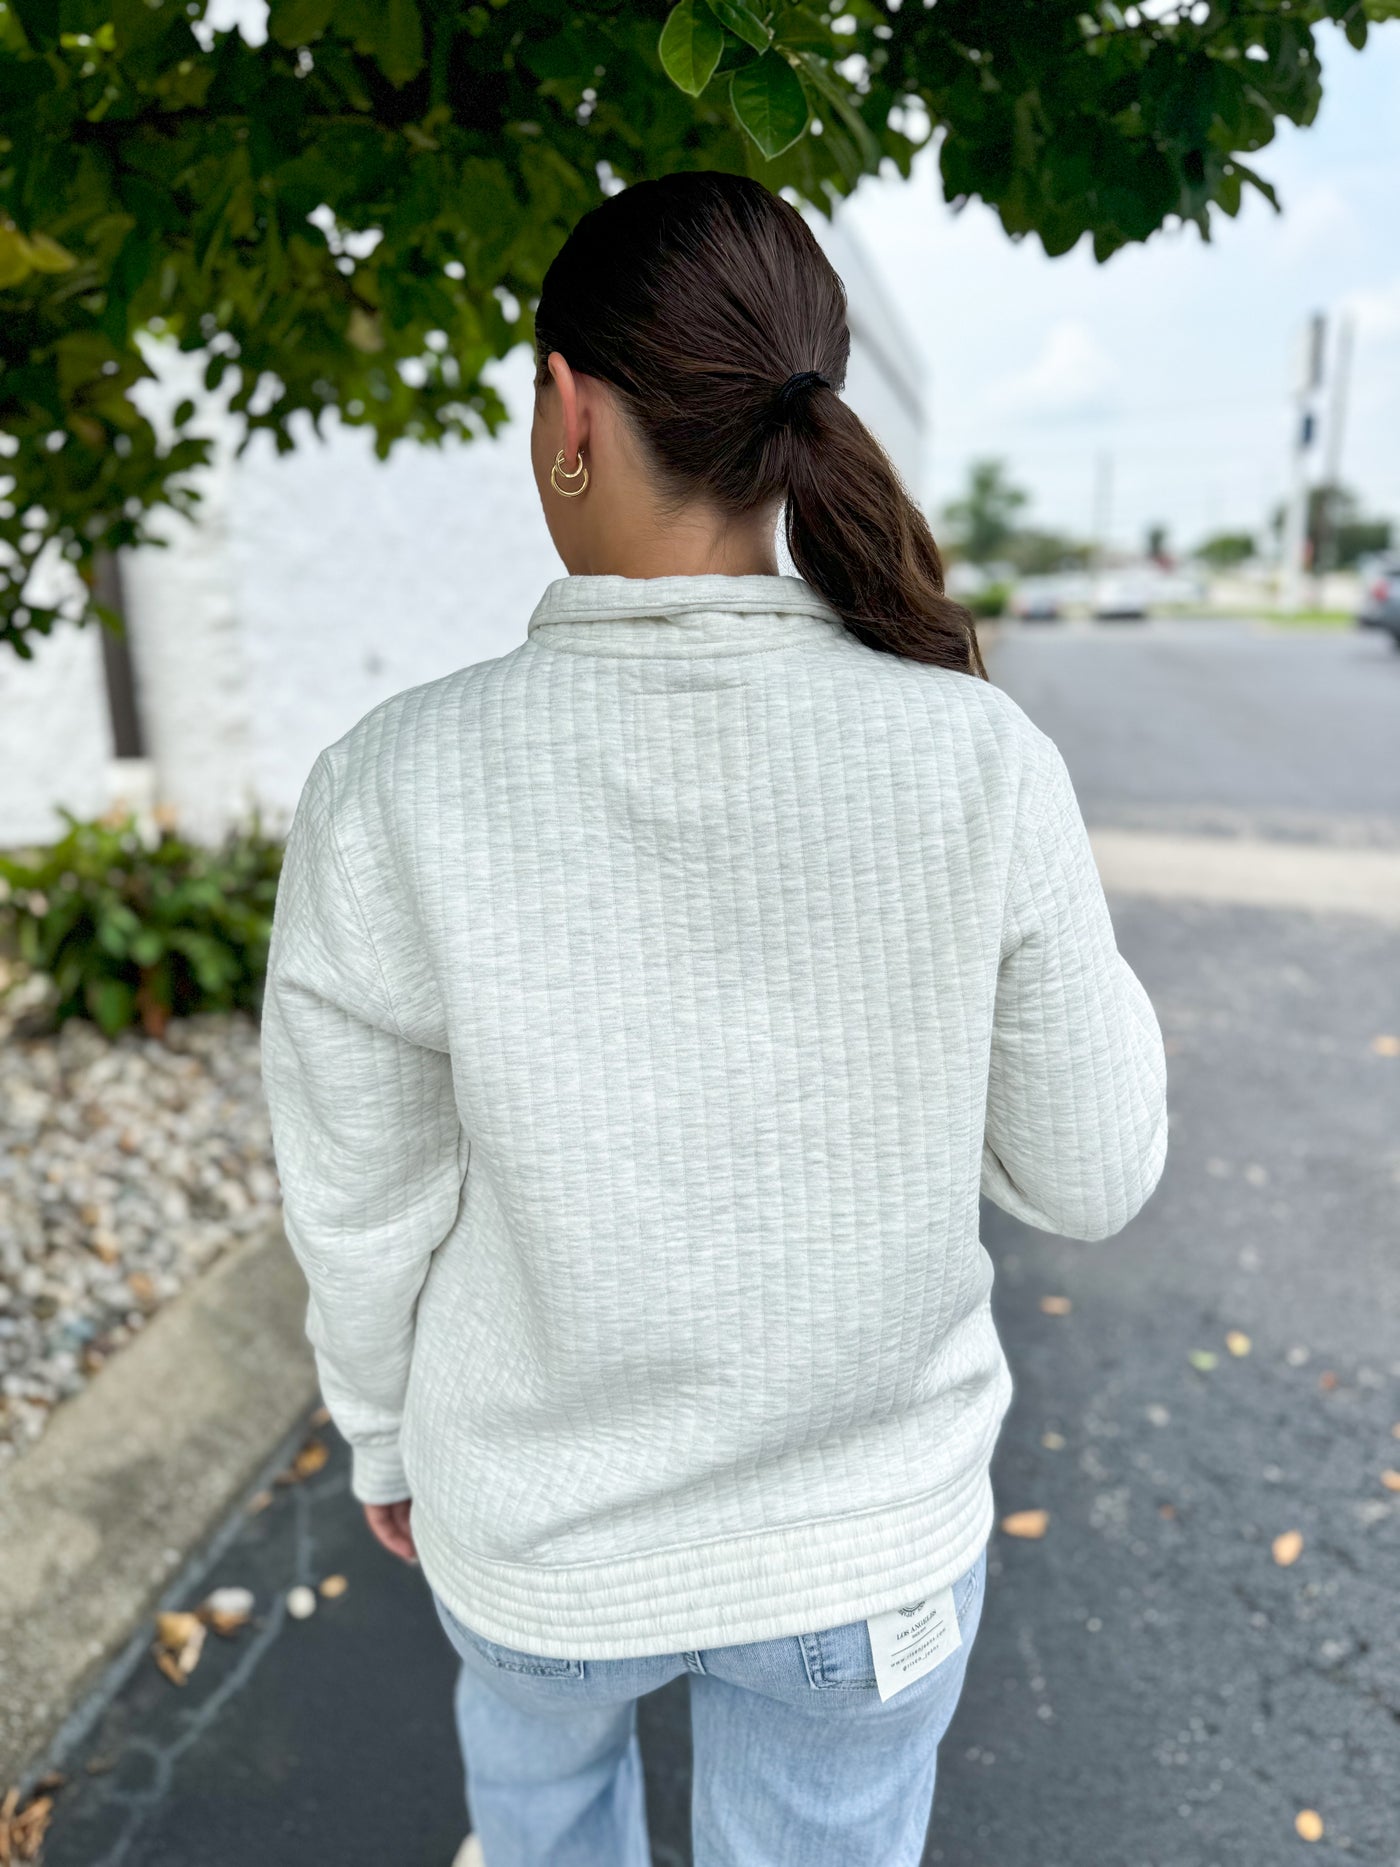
316 584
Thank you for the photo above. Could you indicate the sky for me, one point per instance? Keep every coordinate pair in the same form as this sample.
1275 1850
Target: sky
1176 360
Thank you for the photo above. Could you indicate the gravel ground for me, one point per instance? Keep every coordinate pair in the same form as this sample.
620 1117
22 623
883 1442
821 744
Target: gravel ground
126 1168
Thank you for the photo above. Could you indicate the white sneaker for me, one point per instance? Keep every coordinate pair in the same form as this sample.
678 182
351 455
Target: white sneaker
469 1854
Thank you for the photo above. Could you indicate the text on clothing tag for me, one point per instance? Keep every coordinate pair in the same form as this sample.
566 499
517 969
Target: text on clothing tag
909 1642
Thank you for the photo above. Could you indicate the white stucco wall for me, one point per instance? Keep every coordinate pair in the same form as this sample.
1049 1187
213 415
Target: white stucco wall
315 584
54 735
357 578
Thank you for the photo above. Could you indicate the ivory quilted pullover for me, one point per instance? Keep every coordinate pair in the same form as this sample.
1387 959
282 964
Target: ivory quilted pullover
646 1009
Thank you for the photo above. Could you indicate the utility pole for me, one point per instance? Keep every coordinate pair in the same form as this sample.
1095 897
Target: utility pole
1333 436
1293 546
1103 515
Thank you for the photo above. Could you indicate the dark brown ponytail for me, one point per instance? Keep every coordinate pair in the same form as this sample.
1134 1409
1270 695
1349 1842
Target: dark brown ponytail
707 304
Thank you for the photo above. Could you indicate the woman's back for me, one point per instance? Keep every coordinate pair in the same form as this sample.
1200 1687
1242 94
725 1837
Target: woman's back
646 1010
711 963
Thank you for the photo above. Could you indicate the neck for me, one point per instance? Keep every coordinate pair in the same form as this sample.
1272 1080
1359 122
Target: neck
684 546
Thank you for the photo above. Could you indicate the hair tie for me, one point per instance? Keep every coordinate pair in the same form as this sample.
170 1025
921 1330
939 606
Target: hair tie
794 387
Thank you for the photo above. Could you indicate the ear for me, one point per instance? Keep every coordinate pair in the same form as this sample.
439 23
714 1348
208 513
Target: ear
572 407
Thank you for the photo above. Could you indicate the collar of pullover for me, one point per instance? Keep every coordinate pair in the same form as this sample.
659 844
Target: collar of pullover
703 615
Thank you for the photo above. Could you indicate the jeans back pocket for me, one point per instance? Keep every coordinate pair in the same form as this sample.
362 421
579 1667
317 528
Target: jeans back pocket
839 1659
511 1659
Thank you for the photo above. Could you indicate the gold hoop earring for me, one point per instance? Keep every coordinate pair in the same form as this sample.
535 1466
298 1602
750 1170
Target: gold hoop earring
558 472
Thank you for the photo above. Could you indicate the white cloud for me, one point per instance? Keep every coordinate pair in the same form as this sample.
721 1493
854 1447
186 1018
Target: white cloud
1073 375
1321 223
1377 311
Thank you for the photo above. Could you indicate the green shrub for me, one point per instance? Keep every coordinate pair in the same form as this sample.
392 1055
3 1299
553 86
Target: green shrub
991 600
130 931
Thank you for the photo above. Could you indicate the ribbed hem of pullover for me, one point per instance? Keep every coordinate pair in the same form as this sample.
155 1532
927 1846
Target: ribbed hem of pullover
799 1579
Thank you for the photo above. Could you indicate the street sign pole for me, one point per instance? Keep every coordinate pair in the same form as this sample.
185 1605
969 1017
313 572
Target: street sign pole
1293 546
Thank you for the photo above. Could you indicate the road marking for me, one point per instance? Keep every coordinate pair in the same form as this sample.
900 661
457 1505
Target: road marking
1246 872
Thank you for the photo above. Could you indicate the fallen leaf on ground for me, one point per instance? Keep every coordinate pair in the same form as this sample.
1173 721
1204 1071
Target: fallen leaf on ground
1309 1824
179 1643
301 1602
1203 1360
1238 1342
1386 1045
259 1501
22 1829
309 1460
1166 1510
334 1587
1053 1442
1395 1430
321 1417
1327 1381
1391 1480
1031 1524
174 1629
1056 1306
1288 1548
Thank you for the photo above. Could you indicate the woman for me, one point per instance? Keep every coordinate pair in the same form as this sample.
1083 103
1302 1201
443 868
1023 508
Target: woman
646 1009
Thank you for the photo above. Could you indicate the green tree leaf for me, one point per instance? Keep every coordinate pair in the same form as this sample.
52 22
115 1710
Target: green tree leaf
401 41
742 22
797 28
46 255
770 103
1266 188
15 261
691 42
299 22
832 90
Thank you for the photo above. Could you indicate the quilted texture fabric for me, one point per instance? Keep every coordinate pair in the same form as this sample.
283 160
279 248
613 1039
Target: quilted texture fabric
646 1009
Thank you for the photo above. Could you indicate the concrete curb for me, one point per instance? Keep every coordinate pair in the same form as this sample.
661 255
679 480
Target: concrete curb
1245 872
135 1472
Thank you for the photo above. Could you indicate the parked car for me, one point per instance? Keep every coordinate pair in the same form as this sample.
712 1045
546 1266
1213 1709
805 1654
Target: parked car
1037 599
1121 599
1380 607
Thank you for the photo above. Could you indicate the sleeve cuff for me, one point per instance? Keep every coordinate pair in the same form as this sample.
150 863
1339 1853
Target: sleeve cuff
377 1475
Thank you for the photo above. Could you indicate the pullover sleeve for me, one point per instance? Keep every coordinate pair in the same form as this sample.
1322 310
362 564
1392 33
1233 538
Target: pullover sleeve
369 1148
1076 1129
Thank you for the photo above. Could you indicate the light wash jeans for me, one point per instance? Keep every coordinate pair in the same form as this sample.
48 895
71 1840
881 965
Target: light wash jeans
797 1761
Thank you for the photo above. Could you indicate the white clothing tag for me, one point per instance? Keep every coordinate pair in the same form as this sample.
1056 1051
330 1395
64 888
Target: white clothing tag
909 1642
